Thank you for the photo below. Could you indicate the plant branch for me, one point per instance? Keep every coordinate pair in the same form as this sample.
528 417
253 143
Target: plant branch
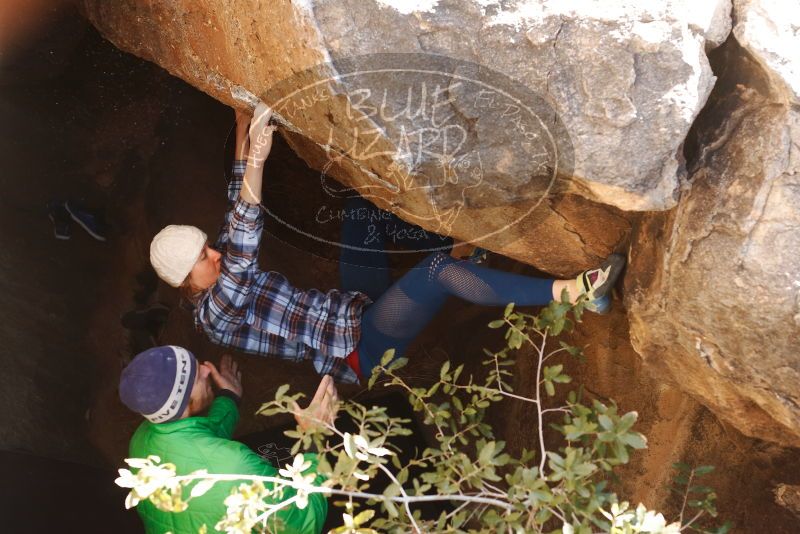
539 413
692 520
403 493
358 494
275 508
686 496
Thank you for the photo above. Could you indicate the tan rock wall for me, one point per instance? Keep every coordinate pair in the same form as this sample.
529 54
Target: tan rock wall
714 297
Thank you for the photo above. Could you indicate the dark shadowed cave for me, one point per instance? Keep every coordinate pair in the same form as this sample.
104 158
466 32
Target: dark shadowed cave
82 120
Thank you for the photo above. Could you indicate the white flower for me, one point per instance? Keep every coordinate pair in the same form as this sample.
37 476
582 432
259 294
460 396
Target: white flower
295 472
300 464
202 487
653 522
131 500
642 520
349 444
357 447
137 463
618 516
301 499
126 479
244 505
149 478
300 482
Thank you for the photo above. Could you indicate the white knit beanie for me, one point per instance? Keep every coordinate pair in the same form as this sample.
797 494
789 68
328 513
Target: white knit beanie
174 251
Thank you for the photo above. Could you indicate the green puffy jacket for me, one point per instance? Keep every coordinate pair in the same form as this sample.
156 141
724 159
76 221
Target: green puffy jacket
205 443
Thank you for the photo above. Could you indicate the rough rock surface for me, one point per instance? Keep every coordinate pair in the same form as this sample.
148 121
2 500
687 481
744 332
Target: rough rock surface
714 295
624 83
770 30
627 80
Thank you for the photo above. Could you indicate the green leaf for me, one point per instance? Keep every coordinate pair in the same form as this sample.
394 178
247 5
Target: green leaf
573 351
398 363
376 373
703 470
363 517
387 357
498 323
621 452
391 509
281 391
572 433
606 437
550 371
457 372
605 422
543 515
509 309
558 326
392 490
514 338
584 469
565 295
549 387
627 421
444 369
635 440
487 451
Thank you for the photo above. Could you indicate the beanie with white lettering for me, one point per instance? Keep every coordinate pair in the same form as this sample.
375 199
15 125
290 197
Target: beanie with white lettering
158 383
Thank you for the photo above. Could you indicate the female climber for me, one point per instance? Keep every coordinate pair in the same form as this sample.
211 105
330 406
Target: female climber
344 332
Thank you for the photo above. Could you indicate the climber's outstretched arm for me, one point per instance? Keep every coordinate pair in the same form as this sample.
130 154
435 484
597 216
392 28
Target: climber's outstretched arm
260 145
243 119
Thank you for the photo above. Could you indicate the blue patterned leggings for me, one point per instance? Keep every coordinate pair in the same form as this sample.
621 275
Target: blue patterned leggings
400 311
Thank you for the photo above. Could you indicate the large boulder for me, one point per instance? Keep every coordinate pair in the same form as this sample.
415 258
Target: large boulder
714 289
616 90
627 80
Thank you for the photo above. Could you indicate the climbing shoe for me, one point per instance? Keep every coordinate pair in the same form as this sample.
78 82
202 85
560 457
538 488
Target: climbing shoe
60 219
88 221
478 255
597 283
599 306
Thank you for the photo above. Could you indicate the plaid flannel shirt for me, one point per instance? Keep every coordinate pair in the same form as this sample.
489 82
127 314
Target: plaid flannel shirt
262 313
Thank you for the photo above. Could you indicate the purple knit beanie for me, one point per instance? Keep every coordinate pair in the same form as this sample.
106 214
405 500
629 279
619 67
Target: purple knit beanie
158 383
